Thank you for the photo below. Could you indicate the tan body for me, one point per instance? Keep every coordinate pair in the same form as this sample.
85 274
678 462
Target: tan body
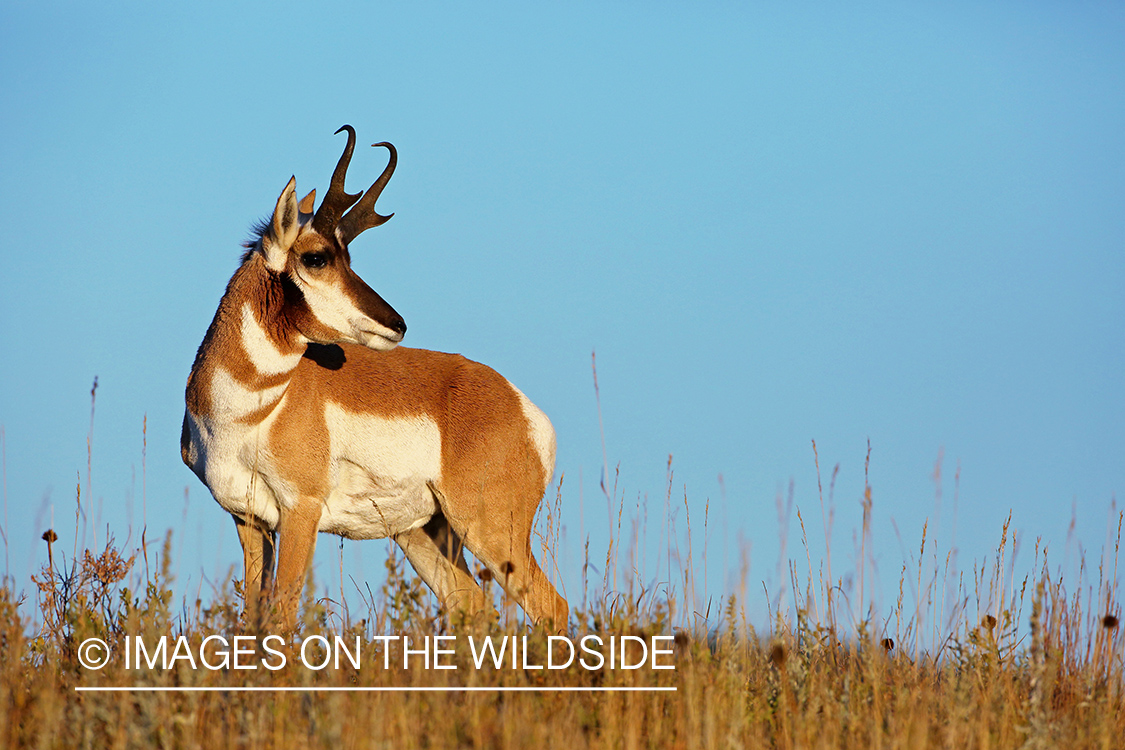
295 429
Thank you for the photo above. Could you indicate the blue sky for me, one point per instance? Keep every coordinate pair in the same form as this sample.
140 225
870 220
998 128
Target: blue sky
775 224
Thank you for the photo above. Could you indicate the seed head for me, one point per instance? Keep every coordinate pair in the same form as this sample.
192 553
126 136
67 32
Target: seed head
779 652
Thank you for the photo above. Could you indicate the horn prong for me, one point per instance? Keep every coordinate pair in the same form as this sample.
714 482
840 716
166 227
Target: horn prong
337 200
363 215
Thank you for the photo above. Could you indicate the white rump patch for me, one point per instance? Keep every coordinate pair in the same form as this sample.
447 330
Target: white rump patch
542 433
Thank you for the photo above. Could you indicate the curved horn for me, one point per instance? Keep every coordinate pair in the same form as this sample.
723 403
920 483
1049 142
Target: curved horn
336 200
363 215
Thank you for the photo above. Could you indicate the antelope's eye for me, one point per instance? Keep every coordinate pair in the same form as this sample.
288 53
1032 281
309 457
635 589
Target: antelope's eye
314 260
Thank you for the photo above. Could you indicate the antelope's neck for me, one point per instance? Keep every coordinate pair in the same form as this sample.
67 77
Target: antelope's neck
245 362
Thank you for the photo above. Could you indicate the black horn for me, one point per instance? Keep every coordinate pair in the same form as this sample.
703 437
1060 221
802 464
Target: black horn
337 199
363 215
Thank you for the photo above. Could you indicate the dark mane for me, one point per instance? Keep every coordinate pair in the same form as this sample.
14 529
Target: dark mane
257 231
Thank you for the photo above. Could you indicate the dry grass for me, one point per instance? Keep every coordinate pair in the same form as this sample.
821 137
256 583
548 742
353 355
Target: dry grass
807 683
989 663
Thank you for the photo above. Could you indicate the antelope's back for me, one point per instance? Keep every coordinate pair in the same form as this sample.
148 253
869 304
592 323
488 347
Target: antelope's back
486 424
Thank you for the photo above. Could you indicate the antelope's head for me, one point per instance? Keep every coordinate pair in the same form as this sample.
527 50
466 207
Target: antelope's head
324 299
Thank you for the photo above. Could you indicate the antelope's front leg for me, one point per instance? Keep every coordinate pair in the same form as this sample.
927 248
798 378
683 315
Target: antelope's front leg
257 561
297 529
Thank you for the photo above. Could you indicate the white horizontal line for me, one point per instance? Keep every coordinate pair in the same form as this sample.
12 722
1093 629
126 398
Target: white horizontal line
250 689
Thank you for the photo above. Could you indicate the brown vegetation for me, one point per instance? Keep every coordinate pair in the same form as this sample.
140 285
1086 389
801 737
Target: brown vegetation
994 663
807 683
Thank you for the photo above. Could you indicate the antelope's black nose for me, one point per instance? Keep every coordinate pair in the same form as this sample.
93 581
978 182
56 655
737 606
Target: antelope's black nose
398 325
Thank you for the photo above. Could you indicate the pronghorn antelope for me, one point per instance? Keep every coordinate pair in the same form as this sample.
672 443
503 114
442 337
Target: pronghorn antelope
303 416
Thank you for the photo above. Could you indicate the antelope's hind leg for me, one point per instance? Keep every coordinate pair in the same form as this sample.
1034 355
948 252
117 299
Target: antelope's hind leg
436 552
258 553
503 543
515 567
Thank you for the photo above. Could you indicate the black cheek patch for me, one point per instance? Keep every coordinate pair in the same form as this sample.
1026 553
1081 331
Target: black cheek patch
294 298
328 356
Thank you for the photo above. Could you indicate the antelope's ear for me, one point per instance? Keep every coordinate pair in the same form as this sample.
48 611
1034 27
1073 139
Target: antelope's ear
284 228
